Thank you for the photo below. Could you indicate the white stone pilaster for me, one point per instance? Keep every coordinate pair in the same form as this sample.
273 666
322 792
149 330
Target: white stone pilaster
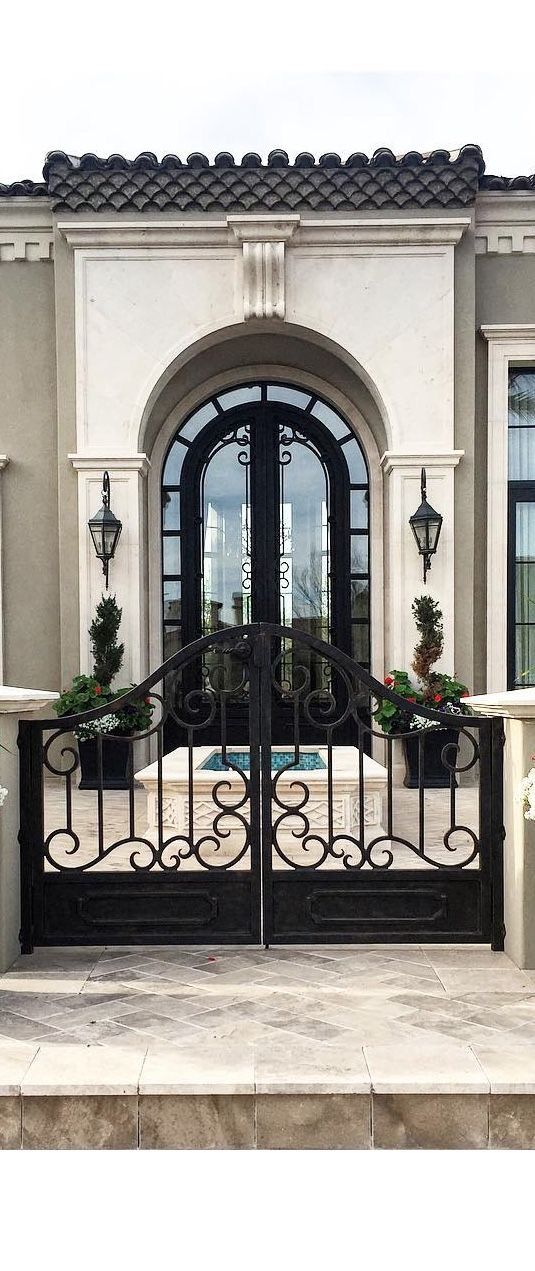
403 564
127 572
3 464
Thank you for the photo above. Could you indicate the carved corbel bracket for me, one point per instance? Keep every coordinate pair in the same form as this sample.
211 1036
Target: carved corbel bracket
263 240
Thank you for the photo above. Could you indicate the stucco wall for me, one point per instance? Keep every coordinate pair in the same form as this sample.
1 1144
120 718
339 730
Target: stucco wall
29 494
505 289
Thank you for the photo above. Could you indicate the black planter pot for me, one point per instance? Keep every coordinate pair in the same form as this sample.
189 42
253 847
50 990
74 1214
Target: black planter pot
114 763
436 775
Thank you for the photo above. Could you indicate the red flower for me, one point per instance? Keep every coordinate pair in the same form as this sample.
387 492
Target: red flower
98 690
411 699
147 701
437 697
389 679
466 693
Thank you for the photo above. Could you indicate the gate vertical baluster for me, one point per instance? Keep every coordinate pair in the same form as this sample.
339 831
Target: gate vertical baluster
100 796
389 817
131 802
421 792
31 833
330 823
361 788
497 833
255 859
159 788
262 660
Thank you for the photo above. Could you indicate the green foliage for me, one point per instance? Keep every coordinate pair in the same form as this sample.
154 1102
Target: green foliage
106 652
85 694
434 688
428 620
389 716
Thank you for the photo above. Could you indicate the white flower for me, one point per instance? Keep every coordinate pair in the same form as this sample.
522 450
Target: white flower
106 724
3 795
526 795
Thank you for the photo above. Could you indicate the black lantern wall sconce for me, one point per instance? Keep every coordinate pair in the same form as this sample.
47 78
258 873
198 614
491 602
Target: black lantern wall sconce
105 529
426 525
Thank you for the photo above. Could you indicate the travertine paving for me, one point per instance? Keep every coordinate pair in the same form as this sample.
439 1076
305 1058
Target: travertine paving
325 1047
348 996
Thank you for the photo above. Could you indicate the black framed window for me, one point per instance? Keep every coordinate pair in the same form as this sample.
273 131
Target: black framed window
265 517
521 529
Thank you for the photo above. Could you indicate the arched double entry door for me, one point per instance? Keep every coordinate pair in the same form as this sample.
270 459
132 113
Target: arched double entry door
265 502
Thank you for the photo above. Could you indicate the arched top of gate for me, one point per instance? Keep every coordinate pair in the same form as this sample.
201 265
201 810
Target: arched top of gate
255 642
232 348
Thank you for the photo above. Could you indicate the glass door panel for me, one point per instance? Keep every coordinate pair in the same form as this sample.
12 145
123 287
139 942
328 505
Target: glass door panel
226 537
305 565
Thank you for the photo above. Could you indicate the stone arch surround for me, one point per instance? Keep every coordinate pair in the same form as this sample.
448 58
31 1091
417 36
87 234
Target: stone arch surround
197 387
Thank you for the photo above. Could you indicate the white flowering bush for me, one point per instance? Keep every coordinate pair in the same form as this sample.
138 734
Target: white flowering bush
526 795
421 721
106 724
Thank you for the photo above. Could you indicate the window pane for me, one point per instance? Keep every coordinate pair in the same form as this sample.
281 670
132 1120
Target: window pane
360 596
293 396
171 601
521 425
329 417
359 509
198 420
171 555
238 396
525 656
355 461
359 553
172 641
360 641
173 466
171 510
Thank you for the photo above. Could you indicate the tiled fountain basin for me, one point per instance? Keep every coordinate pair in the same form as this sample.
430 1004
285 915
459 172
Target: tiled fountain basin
211 776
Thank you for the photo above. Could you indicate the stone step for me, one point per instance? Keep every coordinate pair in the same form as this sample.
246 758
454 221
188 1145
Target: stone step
226 1095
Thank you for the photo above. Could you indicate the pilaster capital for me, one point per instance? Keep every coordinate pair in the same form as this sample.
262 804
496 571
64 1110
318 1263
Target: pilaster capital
112 463
412 461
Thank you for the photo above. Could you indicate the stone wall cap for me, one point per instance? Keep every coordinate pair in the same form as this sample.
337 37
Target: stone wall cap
517 703
24 699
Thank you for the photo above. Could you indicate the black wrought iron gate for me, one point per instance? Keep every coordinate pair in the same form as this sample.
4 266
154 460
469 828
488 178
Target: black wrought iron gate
268 840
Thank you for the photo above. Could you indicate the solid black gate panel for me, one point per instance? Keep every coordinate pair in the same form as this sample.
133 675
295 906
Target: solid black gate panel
266 838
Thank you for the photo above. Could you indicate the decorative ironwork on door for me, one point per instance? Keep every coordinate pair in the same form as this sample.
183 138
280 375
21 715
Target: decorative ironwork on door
259 840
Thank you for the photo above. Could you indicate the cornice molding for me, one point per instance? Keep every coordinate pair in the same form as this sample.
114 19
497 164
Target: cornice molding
263 229
125 463
412 460
508 332
355 232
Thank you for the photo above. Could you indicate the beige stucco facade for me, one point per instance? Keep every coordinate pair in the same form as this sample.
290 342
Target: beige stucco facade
114 325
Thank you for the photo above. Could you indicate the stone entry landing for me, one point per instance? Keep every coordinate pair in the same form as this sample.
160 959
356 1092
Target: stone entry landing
330 1047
